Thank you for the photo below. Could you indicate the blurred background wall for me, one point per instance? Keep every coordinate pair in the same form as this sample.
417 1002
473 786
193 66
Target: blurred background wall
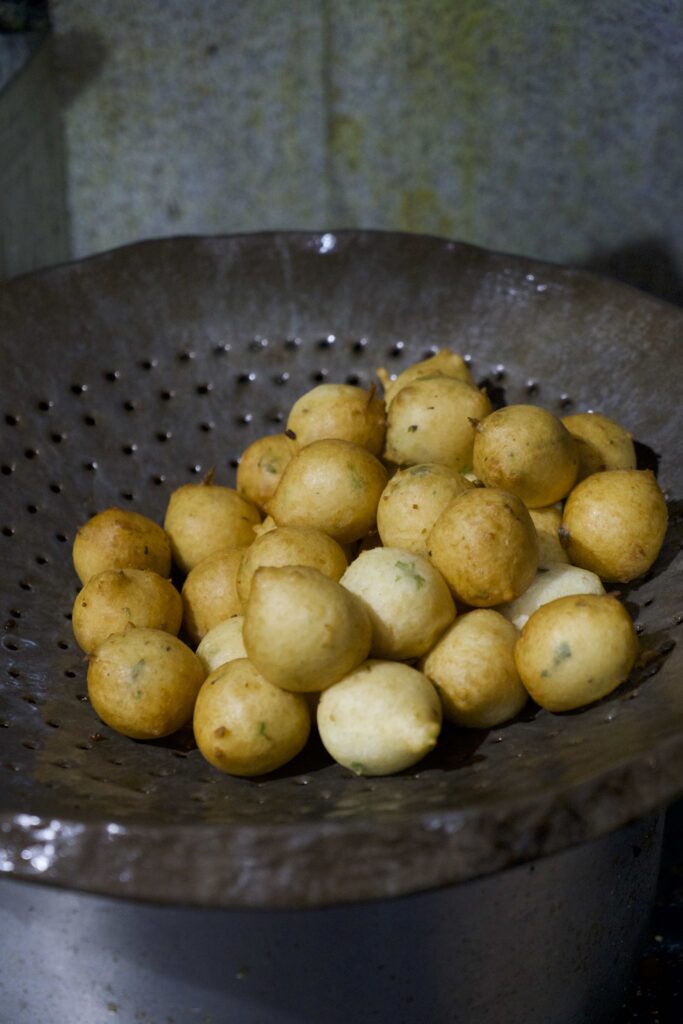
539 127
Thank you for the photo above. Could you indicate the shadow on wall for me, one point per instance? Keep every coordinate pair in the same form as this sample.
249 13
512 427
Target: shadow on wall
79 56
649 265
24 16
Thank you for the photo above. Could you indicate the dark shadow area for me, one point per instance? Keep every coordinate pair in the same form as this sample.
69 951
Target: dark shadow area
24 16
78 57
646 457
495 391
649 265
313 758
182 741
457 748
657 994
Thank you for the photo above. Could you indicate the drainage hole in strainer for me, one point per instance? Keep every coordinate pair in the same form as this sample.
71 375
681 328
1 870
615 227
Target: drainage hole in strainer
57 438
112 375
78 389
30 453
44 405
164 435
56 488
129 406
6 469
89 420
41 560
11 420
206 427
8 531
149 364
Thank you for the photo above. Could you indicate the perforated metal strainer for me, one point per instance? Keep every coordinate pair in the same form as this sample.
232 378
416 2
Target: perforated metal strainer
128 374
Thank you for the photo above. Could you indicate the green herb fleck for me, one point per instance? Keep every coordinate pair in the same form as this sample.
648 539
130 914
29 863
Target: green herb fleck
562 652
137 668
270 467
356 478
408 570
421 470
358 767
412 428
262 728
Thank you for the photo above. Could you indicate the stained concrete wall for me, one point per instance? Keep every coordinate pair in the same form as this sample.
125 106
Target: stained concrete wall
538 126
34 228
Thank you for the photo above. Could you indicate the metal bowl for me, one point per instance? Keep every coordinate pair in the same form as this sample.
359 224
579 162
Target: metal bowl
130 373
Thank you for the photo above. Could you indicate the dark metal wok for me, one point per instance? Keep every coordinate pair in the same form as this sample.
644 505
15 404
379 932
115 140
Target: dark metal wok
130 373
